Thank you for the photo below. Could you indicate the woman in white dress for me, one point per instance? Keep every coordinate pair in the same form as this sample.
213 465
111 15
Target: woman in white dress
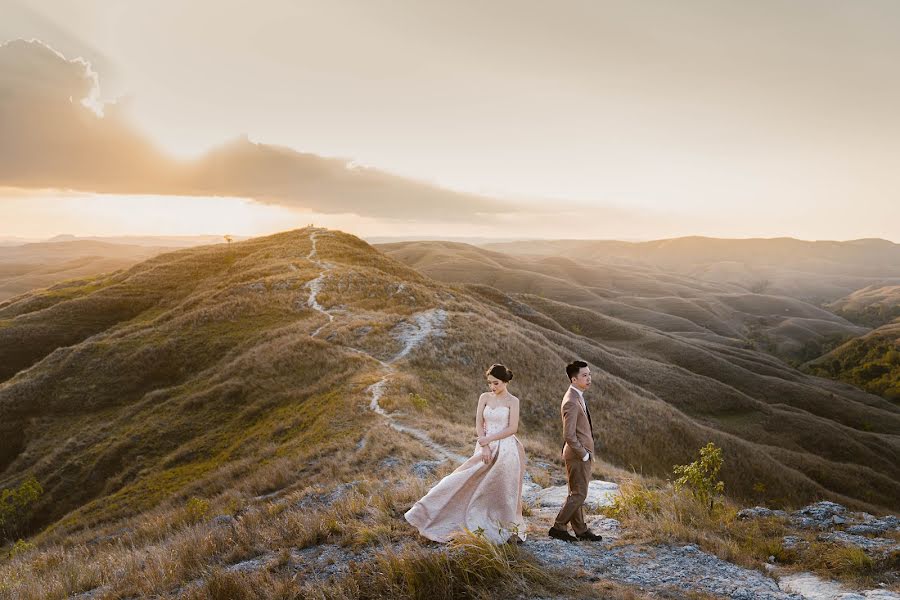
484 494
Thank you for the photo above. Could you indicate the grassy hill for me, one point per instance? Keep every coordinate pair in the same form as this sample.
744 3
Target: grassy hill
871 362
872 306
187 371
205 380
817 272
665 300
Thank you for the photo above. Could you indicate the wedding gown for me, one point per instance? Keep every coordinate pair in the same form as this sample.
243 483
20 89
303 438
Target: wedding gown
477 496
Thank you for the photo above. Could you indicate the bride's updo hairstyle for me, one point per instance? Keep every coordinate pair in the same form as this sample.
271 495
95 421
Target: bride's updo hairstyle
500 372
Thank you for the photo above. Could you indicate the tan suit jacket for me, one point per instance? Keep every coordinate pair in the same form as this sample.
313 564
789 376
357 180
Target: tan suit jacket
576 427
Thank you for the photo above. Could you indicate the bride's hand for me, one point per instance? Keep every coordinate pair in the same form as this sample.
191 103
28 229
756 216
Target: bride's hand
485 454
483 441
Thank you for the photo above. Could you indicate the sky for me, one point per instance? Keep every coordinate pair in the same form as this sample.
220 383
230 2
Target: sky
632 119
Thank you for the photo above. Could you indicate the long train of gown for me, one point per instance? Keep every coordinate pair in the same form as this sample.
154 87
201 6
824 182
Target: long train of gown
478 496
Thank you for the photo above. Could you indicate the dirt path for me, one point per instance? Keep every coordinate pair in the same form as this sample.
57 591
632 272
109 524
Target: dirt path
412 332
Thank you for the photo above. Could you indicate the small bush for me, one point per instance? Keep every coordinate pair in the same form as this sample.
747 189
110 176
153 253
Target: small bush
699 477
196 510
418 402
15 506
634 499
20 547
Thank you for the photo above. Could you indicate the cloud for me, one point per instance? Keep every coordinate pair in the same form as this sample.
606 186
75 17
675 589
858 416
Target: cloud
57 135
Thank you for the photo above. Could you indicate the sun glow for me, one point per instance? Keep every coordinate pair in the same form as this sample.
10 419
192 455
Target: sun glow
47 213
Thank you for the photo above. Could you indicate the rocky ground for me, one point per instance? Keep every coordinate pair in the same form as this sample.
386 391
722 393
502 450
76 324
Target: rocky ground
677 569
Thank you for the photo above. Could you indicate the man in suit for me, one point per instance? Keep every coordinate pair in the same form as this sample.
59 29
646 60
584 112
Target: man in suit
578 454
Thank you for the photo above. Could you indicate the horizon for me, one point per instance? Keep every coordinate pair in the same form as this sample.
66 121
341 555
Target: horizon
380 239
728 121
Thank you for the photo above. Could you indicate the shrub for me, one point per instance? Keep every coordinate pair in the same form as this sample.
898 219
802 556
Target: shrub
15 505
418 402
196 509
699 477
20 547
634 499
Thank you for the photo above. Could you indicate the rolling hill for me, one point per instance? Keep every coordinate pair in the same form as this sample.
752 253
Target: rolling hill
669 301
38 265
186 372
816 272
872 306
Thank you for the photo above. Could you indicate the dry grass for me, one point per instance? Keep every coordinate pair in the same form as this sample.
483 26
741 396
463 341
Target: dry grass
662 515
171 548
168 552
209 386
469 568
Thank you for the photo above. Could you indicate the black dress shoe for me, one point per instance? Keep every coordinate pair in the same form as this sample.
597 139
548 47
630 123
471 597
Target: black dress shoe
561 534
588 536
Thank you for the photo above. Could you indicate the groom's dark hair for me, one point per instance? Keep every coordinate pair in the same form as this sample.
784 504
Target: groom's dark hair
573 368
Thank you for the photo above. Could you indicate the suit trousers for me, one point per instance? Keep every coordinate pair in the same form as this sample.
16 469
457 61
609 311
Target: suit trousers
578 472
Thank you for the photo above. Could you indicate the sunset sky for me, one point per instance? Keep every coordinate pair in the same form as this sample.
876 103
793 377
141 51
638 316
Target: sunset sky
633 119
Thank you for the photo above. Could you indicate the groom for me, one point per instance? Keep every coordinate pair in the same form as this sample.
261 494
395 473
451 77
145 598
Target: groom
578 454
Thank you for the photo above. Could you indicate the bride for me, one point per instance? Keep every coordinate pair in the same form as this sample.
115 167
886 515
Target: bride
484 494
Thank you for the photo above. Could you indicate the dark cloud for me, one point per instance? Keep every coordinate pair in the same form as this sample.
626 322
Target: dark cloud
54 135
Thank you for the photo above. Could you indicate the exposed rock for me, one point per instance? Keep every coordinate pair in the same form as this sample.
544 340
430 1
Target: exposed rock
829 518
600 493
812 587
223 520
253 564
818 515
759 512
793 542
425 468
390 462
872 525
659 568
325 561
869 545
315 500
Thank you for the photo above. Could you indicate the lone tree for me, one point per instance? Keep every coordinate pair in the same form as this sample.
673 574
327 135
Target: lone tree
700 476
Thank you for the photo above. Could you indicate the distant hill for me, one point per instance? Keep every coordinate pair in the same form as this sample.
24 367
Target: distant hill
681 304
31 266
818 272
156 241
872 306
871 361
191 371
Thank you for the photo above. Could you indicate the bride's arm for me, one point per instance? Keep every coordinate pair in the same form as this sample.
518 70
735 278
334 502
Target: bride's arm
479 417
511 429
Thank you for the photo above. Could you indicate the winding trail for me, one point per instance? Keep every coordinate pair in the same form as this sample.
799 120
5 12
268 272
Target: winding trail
411 333
315 286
